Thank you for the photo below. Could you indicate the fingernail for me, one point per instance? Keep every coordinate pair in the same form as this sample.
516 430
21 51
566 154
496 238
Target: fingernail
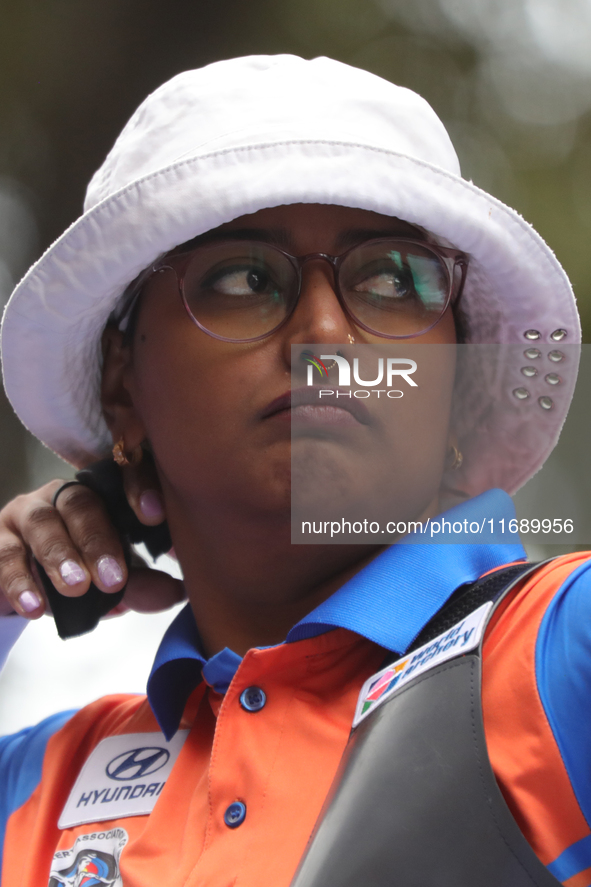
109 571
29 601
72 573
151 504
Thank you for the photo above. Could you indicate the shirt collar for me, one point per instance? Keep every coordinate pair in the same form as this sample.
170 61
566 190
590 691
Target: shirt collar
389 602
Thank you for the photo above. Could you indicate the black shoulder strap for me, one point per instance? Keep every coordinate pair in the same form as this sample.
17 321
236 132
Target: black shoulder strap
415 801
468 598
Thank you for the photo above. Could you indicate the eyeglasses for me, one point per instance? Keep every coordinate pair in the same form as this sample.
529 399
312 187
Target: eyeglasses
244 291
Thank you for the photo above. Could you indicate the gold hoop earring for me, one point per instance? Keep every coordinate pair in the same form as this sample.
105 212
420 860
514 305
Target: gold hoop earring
458 458
122 458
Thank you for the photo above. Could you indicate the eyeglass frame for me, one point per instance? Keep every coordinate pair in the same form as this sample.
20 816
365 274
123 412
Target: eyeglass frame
450 258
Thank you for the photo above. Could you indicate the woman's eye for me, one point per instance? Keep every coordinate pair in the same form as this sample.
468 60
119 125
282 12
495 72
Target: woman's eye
389 284
241 282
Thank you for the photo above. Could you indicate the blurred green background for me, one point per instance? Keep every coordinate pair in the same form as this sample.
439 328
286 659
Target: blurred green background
511 80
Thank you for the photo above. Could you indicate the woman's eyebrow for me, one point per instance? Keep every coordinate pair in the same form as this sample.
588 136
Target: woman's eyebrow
281 236
352 236
276 236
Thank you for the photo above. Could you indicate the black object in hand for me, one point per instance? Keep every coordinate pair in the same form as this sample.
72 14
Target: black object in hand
78 615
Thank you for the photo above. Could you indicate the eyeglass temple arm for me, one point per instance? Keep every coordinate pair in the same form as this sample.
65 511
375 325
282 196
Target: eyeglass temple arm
462 263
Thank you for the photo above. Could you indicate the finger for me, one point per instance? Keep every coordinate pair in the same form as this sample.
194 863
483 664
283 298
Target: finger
96 541
143 492
149 591
21 594
43 533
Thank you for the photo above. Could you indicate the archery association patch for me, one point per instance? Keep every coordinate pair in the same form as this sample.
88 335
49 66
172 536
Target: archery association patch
93 861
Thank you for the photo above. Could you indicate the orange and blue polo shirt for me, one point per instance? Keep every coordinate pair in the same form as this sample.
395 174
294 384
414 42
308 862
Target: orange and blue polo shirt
249 746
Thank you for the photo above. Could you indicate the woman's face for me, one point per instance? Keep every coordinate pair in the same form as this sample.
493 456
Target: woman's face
203 404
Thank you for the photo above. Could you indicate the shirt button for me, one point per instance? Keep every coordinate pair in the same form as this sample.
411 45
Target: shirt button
235 814
253 699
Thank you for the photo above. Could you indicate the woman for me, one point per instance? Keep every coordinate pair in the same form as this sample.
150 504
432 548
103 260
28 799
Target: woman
275 181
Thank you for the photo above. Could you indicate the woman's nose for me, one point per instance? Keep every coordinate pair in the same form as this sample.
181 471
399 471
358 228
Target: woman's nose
318 316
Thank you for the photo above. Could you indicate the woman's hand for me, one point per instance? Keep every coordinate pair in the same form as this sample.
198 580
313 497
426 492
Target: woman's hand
76 544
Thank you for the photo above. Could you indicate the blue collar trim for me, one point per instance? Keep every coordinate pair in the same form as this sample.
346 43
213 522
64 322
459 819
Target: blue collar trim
397 593
176 671
389 601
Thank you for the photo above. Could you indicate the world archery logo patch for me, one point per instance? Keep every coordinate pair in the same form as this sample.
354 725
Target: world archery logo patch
123 776
460 639
92 861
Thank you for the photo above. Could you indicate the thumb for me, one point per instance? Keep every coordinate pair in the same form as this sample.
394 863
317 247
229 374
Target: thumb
143 492
149 591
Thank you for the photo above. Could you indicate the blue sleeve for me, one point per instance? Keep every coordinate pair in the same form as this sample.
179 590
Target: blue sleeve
21 762
563 674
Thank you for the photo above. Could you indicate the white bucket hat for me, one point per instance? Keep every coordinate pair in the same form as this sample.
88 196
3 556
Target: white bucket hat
240 135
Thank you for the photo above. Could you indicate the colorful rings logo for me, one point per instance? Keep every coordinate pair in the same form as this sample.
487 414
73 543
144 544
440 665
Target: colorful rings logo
315 362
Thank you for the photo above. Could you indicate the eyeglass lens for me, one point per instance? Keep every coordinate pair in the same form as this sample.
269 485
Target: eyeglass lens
245 290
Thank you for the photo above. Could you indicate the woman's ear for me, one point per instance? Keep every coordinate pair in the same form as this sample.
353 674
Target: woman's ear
119 411
142 487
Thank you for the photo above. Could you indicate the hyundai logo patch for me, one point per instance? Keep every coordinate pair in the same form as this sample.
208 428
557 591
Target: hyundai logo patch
123 776
137 763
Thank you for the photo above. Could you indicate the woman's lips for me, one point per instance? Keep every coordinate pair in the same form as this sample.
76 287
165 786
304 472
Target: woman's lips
307 406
